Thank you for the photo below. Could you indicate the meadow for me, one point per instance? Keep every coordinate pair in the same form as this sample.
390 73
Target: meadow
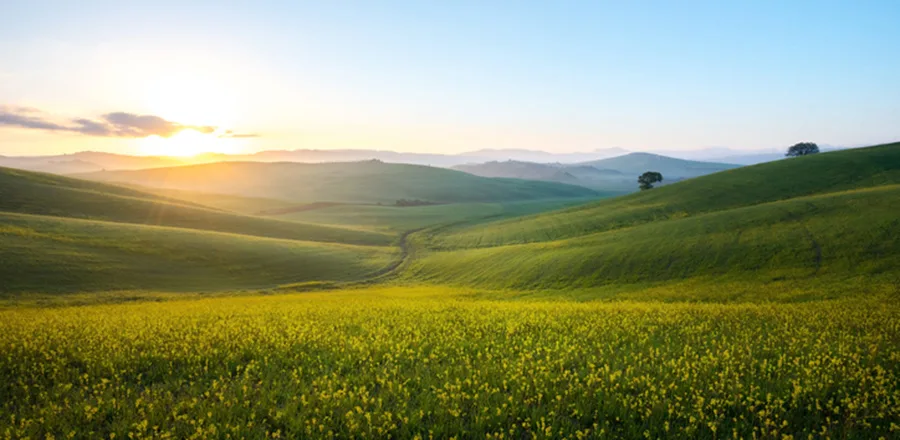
46 255
436 363
759 302
742 187
390 219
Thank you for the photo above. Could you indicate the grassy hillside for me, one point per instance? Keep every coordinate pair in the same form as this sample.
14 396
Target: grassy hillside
728 233
226 202
354 182
834 236
43 194
42 254
618 174
519 170
635 164
396 219
606 180
822 173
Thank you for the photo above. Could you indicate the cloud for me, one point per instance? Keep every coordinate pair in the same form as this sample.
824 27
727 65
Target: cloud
22 117
116 124
132 125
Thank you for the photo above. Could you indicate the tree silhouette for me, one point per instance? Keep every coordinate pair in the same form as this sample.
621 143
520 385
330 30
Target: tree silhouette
647 179
802 149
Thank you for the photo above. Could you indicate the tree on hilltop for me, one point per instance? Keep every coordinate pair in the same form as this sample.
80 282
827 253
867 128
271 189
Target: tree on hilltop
802 149
647 179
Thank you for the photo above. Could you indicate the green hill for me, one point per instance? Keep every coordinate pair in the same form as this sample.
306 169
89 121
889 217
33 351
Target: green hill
768 182
612 181
617 174
397 220
350 182
818 225
43 254
44 194
635 164
59 234
226 202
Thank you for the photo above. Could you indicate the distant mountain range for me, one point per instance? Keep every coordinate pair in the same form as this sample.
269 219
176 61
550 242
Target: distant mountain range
85 162
612 174
90 161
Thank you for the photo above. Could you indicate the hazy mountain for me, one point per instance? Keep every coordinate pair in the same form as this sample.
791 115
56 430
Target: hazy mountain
519 170
86 161
634 164
614 174
543 156
582 175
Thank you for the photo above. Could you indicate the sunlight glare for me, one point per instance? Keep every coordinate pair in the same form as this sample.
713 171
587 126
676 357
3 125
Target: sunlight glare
187 143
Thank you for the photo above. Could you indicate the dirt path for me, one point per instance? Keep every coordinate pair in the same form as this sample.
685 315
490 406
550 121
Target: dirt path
404 256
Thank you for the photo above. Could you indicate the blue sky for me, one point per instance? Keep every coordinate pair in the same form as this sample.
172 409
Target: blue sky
453 76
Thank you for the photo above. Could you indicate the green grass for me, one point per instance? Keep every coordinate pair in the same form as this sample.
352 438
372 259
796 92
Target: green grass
400 363
42 254
780 180
395 220
43 194
809 228
225 202
635 164
351 182
842 235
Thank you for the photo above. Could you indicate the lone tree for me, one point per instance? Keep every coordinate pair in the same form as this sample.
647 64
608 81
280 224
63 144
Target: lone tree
647 179
802 149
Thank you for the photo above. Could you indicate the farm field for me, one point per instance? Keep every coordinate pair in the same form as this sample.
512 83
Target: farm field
438 363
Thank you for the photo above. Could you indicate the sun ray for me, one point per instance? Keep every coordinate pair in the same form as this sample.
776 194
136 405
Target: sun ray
187 143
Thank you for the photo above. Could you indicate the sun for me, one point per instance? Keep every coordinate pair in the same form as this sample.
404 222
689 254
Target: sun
187 143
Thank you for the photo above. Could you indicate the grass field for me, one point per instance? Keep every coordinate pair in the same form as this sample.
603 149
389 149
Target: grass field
43 194
55 255
225 202
401 363
394 219
834 236
752 185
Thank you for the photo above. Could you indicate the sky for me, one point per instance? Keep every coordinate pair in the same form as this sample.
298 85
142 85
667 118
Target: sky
179 77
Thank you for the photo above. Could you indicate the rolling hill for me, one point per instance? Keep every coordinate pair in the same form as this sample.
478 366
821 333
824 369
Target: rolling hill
86 162
789 226
606 180
63 235
25 192
44 254
634 164
350 182
617 174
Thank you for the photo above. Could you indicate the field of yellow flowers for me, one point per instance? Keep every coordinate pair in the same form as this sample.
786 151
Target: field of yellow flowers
377 364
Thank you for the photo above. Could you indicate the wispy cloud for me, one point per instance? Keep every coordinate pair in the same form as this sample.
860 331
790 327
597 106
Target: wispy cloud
116 124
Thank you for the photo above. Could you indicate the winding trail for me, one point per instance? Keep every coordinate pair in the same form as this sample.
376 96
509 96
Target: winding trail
404 256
